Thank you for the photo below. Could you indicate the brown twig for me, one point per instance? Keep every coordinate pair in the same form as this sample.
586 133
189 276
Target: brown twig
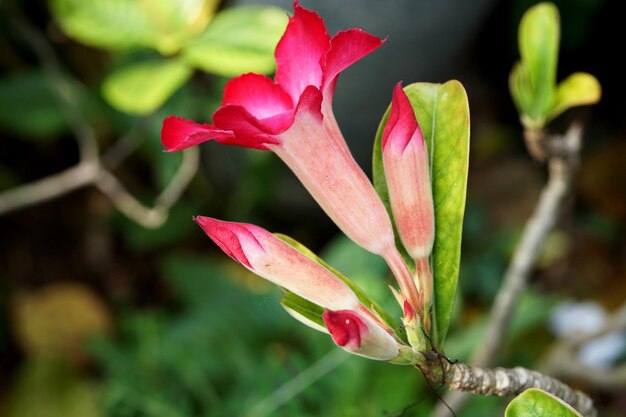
508 382
92 169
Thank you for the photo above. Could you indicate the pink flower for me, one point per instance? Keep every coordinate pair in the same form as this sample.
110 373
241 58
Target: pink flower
359 334
408 179
292 116
271 258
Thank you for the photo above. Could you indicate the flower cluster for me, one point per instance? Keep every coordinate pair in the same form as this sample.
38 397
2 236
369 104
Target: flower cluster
292 116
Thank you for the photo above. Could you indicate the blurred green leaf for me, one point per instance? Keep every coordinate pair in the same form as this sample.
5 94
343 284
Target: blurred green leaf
142 87
576 90
537 403
50 388
29 107
122 24
533 79
361 295
238 40
539 36
442 111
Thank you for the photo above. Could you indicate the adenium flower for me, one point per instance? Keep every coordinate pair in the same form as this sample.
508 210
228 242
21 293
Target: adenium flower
292 116
405 158
349 323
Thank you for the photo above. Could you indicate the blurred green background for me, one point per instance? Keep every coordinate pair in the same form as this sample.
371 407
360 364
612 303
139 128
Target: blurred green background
101 316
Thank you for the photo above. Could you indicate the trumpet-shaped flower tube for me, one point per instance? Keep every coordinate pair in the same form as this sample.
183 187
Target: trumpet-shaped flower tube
359 334
405 158
271 258
292 116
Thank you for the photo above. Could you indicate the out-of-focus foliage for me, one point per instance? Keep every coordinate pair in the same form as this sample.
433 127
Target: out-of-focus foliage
238 40
535 402
29 108
141 87
58 320
49 387
442 111
533 78
121 24
226 43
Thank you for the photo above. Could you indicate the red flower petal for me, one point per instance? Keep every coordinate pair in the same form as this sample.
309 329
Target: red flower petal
401 125
347 47
300 51
229 237
258 95
248 131
178 133
310 101
345 327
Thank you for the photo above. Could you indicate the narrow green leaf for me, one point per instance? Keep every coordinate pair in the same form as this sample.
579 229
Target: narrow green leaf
121 24
142 87
537 403
311 312
521 90
442 111
539 36
361 295
238 40
576 90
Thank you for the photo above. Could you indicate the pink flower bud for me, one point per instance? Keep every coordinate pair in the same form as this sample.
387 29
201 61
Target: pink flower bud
271 258
408 179
359 334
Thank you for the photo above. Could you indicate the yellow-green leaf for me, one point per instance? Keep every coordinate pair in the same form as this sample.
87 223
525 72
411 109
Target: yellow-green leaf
442 111
238 40
121 24
537 403
539 36
142 87
578 89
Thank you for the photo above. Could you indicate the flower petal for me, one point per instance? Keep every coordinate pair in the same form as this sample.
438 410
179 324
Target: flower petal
401 125
346 47
258 95
359 334
178 133
300 51
272 259
247 130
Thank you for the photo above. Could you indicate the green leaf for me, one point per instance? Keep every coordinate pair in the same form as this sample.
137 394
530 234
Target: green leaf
310 311
29 107
361 295
142 87
442 111
238 40
45 386
539 35
537 403
576 90
122 24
